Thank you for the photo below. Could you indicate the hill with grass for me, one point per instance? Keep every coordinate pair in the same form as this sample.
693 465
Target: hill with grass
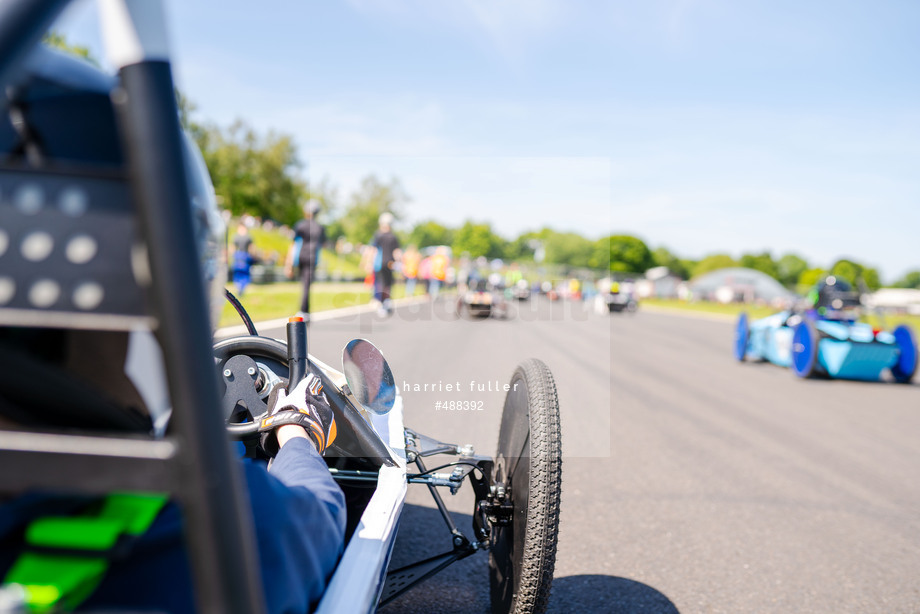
270 246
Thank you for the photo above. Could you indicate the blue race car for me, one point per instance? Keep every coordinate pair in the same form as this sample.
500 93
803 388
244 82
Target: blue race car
826 340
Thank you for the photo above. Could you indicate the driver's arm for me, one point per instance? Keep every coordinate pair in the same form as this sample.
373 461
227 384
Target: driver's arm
299 516
298 464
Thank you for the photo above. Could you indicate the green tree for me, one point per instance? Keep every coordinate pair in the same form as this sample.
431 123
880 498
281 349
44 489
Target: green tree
568 248
372 199
187 110
871 278
762 262
522 248
854 273
789 268
627 254
253 174
713 262
911 279
664 257
478 240
55 39
334 230
809 278
846 270
430 232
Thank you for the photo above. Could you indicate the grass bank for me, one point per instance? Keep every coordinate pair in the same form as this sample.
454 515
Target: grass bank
732 309
273 244
280 300
757 311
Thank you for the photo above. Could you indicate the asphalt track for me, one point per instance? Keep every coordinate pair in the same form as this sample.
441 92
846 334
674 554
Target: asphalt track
691 483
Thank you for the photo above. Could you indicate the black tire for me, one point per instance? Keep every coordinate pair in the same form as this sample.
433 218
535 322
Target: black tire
529 465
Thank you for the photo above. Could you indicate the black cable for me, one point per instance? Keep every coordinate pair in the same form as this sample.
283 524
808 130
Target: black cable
242 311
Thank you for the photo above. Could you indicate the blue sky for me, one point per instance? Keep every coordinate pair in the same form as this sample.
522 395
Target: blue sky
704 126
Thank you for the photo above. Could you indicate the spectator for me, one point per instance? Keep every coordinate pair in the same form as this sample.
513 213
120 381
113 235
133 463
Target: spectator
424 273
439 264
242 258
410 264
309 237
387 253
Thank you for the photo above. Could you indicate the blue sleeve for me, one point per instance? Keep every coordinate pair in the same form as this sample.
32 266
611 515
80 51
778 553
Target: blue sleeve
299 515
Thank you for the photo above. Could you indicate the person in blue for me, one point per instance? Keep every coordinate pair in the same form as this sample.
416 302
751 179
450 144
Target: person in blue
298 509
242 259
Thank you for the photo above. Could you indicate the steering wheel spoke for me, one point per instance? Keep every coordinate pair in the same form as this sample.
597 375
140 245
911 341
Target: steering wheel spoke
242 399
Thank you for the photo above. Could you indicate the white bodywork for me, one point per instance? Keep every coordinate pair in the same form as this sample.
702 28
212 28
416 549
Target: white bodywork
358 579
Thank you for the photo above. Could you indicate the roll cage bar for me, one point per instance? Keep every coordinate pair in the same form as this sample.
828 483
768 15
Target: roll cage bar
194 463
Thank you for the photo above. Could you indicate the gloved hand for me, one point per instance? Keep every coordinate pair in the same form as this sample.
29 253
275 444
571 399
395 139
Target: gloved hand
306 406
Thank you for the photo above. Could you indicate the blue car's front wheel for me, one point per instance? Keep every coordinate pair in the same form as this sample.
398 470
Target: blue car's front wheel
742 334
805 349
903 370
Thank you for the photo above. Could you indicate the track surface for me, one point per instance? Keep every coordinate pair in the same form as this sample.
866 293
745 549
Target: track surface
691 483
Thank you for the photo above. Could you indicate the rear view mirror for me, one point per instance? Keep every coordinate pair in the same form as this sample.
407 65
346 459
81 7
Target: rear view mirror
369 376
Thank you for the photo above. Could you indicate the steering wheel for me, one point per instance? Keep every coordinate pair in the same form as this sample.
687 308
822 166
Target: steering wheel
251 366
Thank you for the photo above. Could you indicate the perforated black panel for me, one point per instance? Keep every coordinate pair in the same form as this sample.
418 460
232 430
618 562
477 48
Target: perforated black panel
66 246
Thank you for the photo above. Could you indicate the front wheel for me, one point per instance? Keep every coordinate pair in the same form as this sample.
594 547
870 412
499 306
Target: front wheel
903 370
742 335
805 349
528 466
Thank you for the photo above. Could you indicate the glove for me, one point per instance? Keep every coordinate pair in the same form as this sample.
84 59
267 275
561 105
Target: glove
306 406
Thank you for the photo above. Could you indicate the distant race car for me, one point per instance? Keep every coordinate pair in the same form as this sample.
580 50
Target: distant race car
826 340
618 301
482 300
520 290
617 297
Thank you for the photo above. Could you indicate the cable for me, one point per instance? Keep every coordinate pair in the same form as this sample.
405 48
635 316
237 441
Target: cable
242 311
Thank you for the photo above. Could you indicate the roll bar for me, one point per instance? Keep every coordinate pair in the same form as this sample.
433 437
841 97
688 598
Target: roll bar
194 463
